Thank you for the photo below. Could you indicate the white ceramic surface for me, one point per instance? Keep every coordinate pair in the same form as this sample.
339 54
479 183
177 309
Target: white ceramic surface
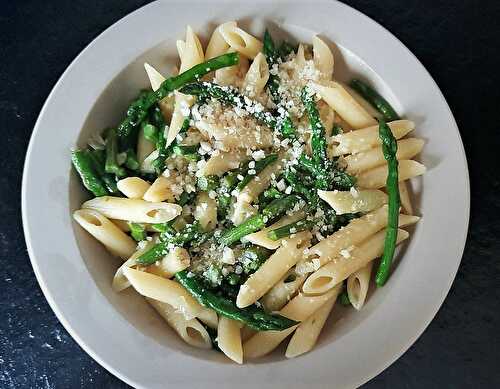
119 330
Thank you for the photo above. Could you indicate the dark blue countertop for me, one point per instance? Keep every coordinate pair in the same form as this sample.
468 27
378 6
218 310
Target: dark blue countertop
457 41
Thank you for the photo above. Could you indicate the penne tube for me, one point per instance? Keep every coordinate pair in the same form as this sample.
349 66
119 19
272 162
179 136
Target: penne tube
190 331
232 75
347 263
175 261
240 40
144 147
206 211
101 228
147 163
376 178
323 57
361 100
133 187
138 211
256 77
164 290
155 77
247 333
299 308
160 190
120 282
229 339
404 196
304 305
124 226
335 95
357 286
259 183
306 335
357 231
221 163
354 201
281 293
209 317
262 343
353 142
291 251
260 237
217 45
241 211
363 161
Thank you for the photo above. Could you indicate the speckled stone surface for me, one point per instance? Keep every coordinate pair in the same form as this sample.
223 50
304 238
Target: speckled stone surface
457 41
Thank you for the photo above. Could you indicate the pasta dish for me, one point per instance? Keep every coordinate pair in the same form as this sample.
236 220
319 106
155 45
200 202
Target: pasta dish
250 191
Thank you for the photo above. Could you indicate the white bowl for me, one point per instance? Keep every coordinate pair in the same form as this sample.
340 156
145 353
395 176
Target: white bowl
120 331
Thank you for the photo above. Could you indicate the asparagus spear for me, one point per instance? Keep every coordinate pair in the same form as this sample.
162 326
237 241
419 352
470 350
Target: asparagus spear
231 97
372 96
389 148
259 166
318 139
137 231
289 229
252 316
254 223
84 166
111 154
98 158
139 109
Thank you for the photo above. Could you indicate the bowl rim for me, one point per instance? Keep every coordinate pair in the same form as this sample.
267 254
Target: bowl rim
25 198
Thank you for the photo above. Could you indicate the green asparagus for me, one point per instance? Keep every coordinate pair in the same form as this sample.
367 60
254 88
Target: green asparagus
84 166
137 231
289 229
111 154
389 148
375 99
259 166
252 316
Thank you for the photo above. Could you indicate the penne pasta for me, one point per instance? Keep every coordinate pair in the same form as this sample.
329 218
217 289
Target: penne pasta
348 262
240 40
260 182
404 196
376 178
120 282
101 228
354 142
283 291
208 317
147 163
163 290
160 190
260 238
217 45
206 211
138 211
256 77
240 211
323 57
291 251
335 95
357 286
354 201
360 99
155 77
363 161
299 308
190 331
222 162
175 261
306 335
351 235
133 187
262 343
229 339
144 147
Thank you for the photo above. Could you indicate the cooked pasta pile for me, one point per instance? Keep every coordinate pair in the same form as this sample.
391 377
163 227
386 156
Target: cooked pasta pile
249 191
